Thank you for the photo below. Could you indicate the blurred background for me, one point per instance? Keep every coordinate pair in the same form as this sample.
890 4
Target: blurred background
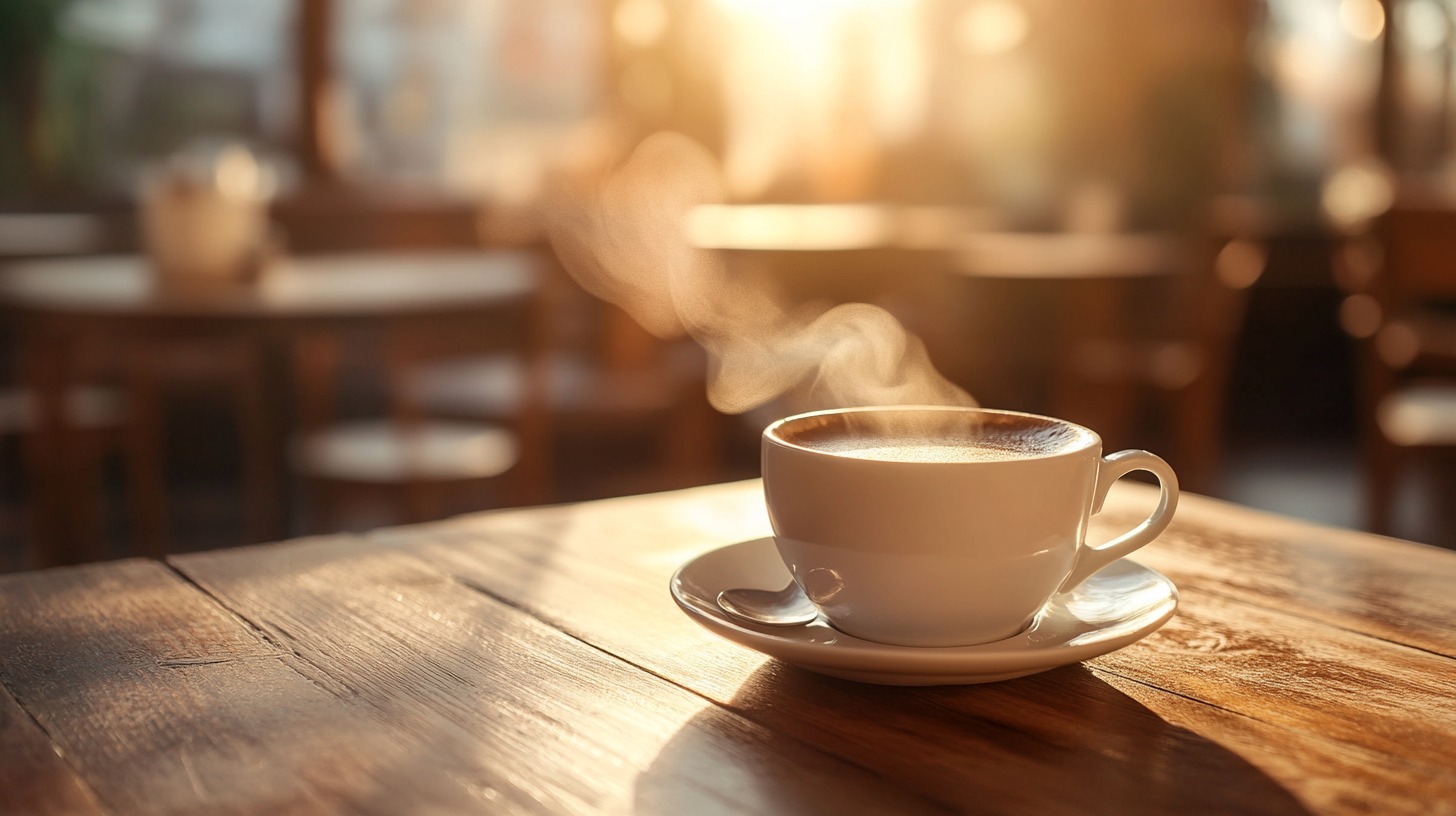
295 266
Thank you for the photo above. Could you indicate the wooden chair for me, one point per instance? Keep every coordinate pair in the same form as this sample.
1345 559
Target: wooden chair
163 364
98 416
1399 276
602 377
94 409
128 416
413 460
1148 351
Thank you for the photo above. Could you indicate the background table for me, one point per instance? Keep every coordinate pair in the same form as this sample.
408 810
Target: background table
60 306
1132 333
533 661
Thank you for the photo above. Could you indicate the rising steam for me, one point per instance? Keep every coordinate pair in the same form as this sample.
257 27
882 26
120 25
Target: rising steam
624 240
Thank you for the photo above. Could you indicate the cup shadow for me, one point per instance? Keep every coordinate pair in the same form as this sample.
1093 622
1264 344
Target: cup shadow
1063 741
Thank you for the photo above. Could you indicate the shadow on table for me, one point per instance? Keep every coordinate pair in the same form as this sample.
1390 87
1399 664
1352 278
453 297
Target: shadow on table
1062 741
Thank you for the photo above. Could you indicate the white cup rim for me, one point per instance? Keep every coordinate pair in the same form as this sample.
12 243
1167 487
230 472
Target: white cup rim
1090 439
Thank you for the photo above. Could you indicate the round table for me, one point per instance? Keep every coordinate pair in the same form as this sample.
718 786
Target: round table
60 306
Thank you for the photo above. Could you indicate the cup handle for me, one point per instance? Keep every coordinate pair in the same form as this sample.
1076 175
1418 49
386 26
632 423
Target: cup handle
1115 466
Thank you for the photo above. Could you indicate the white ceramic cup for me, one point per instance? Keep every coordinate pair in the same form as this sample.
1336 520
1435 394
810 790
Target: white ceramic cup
946 548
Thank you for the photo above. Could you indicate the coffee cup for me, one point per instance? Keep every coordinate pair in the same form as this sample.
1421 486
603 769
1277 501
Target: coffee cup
204 217
935 526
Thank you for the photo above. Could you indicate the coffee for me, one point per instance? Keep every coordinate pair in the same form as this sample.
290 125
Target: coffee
918 450
929 436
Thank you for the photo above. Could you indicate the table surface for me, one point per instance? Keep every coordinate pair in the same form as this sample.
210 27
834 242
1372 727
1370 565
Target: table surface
533 661
310 286
972 242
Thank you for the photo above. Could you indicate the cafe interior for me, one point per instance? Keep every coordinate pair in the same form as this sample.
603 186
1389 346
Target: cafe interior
289 267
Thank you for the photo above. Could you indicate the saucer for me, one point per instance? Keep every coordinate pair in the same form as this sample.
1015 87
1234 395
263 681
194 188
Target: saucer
1117 606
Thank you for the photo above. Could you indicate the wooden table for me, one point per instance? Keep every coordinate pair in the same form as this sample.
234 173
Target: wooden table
1107 328
946 240
62 306
533 661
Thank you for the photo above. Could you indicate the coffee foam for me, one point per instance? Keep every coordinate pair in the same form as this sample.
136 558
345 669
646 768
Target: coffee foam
917 449
934 436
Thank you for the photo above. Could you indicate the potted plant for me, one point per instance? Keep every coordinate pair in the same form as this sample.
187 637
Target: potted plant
28 31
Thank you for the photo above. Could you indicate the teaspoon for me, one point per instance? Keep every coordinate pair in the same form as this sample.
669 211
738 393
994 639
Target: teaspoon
781 607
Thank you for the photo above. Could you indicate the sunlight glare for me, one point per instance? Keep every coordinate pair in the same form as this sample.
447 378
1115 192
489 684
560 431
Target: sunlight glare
1356 193
640 23
1423 25
992 27
1362 19
815 89
802 227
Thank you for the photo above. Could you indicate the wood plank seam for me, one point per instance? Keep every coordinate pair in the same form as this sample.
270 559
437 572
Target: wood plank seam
602 560
1254 599
186 662
425 566
270 634
1437 771
1190 698
742 713
184 739
561 627
76 775
1432 771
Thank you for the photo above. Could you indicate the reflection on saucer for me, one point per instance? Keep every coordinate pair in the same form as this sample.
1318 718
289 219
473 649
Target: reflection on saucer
1120 605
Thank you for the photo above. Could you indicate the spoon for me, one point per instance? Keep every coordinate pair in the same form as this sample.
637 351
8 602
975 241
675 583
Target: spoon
771 607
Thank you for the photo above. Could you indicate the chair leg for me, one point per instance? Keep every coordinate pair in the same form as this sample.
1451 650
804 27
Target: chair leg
1197 424
422 501
315 360
259 441
694 439
1443 493
531 478
416 495
146 451
90 501
1382 462
48 451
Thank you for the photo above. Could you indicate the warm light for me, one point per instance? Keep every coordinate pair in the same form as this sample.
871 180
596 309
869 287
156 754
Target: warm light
1326 66
992 27
1240 264
797 227
1419 415
640 23
1423 24
1360 316
1356 193
814 90
1176 365
1398 345
794 10
1362 19
237 173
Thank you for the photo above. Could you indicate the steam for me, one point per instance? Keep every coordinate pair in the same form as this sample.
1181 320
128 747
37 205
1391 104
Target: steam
624 240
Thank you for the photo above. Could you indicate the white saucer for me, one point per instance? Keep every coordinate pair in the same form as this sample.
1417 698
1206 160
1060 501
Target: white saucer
1120 605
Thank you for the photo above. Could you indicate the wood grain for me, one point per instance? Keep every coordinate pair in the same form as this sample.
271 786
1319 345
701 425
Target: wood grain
165 703
534 662
545 722
1389 589
1372 735
35 778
